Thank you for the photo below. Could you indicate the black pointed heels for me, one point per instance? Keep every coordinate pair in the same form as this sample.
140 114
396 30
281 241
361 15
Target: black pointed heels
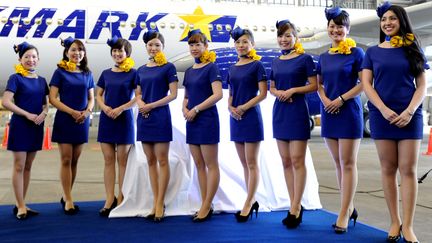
241 219
342 230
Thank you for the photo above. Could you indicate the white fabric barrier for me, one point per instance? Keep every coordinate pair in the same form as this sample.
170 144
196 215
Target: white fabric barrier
183 195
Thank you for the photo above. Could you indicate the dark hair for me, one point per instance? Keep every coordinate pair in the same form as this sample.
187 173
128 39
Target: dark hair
152 35
83 64
412 52
122 43
24 50
197 38
341 19
283 28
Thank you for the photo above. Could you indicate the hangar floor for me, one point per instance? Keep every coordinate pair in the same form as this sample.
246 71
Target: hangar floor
369 201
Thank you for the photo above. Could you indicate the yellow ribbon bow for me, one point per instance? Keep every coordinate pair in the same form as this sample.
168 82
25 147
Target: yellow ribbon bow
160 59
252 55
21 70
67 65
344 47
398 41
208 56
298 48
127 64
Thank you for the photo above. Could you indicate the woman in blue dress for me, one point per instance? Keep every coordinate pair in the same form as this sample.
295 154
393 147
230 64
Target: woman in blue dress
247 81
26 96
293 75
71 92
154 126
396 68
341 112
116 132
203 88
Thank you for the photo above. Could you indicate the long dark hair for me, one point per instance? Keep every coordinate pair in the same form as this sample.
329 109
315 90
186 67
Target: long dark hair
412 52
83 64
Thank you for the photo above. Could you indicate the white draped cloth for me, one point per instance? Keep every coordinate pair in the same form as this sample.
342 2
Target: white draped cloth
183 196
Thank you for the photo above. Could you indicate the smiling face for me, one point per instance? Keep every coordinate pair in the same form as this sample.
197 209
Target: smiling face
390 24
197 49
286 40
154 46
337 33
118 55
29 59
243 45
75 53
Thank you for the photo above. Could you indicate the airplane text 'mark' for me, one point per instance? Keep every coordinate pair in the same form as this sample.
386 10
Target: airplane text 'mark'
75 24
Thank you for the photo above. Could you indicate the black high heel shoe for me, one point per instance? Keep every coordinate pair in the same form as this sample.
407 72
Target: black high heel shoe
241 219
286 219
293 221
71 211
207 217
62 202
394 238
341 230
21 216
104 212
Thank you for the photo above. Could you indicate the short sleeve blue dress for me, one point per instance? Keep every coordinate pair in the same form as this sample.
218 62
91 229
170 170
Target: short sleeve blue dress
118 90
73 88
243 82
339 73
395 85
291 119
154 83
204 129
29 95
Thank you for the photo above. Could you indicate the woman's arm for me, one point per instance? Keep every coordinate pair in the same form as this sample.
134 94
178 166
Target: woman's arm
335 104
262 86
231 108
165 100
366 80
8 103
53 94
209 102
101 102
405 117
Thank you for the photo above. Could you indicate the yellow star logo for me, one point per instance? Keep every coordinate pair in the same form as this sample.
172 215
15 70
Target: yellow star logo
199 20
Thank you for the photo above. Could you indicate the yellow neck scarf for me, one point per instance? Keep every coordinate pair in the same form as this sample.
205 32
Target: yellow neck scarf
208 56
126 65
399 41
344 47
252 55
160 59
21 70
67 65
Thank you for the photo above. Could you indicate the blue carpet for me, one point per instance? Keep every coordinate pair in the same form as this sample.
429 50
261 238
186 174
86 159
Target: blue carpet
53 226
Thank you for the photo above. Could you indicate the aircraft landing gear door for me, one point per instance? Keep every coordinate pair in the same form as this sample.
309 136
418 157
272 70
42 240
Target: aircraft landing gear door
104 23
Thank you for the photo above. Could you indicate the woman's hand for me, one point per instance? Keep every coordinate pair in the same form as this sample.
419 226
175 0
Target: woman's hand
40 118
190 115
286 96
403 119
115 112
76 115
388 114
332 106
234 113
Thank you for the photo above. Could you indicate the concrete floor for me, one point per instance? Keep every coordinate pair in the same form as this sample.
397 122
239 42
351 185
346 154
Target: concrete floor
369 201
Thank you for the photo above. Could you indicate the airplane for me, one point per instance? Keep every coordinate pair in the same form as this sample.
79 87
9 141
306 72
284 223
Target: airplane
44 23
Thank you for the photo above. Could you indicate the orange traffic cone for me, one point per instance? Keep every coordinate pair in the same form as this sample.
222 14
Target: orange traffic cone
47 140
429 150
5 136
